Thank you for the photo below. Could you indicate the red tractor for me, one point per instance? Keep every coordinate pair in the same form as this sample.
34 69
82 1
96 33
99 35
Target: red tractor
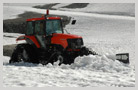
47 43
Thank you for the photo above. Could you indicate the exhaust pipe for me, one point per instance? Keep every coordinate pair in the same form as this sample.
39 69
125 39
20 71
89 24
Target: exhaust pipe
47 12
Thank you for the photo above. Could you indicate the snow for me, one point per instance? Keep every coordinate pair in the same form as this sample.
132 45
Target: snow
11 12
24 4
76 75
10 38
105 34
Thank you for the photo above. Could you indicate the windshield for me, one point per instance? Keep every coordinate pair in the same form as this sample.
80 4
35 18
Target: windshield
53 26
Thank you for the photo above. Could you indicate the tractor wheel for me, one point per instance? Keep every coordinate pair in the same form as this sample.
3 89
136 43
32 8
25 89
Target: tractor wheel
60 58
22 53
43 62
57 57
53 58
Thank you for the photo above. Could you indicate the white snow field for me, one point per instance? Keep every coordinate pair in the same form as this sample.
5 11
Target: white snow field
105 34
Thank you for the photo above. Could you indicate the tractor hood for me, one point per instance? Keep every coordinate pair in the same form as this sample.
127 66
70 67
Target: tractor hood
61 39
66 36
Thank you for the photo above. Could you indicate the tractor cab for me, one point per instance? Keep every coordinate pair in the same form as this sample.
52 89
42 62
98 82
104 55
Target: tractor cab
44 26
43 29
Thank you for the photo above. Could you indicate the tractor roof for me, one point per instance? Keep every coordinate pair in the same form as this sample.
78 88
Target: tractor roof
43 18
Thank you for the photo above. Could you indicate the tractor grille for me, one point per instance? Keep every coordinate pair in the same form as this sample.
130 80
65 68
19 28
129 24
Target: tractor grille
75 43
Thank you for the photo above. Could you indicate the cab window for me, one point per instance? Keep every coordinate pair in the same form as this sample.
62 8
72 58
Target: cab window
39 27
29 28
53 26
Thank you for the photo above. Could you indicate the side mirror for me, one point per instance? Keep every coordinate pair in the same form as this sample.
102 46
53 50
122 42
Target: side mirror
73 22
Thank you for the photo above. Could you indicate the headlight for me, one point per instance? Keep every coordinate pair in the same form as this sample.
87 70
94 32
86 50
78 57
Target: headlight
73 46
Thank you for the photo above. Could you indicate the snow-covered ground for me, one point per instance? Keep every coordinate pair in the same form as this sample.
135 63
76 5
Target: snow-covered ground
12 11
105 34
10 38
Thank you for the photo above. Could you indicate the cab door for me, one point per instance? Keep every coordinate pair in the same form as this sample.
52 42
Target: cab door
39 33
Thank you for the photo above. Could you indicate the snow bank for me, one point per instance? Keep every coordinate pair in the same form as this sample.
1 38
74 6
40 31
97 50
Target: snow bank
102 63
98 63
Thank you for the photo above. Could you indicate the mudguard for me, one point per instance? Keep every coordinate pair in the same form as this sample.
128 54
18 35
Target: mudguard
30 40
